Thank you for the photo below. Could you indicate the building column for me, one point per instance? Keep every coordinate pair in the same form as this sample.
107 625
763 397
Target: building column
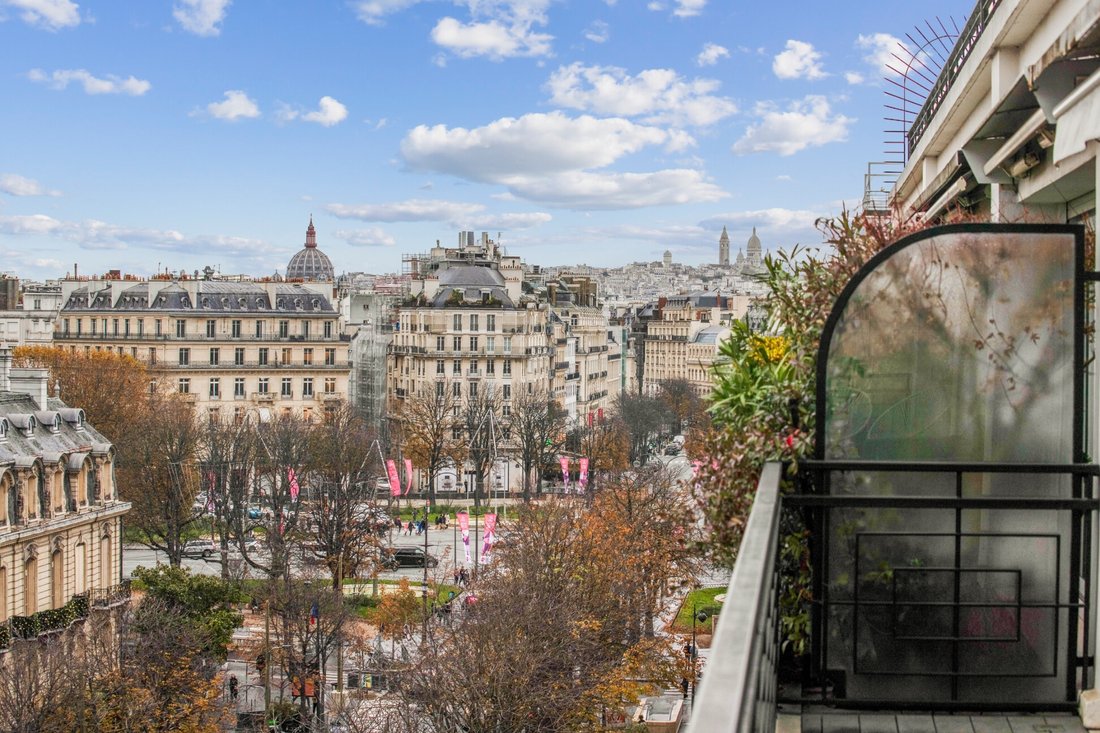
1089 709
1004 204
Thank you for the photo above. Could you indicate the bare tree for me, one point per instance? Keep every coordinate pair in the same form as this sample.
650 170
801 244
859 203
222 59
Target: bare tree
343 524
227 463
481 421
537 425
428 424
165 456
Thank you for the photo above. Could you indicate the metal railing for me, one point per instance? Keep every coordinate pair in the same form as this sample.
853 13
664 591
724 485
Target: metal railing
738 689
968 39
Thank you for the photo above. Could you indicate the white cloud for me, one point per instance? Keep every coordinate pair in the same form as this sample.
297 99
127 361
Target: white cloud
111 84
880 48
201 17
16 185
329 112
96 234
236 105
799 61
455 213
51 15
783 177
372 237
408 210
853 77
495 39
805 123
689 8
775 219
549 157
711 53
374 12
658 95
597 32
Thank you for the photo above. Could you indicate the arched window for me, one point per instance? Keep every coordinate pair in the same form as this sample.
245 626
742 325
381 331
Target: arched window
30 586
80 568
57 578
105 576
6 503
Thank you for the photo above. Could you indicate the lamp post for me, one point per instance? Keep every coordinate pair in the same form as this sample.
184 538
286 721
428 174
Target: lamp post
701 617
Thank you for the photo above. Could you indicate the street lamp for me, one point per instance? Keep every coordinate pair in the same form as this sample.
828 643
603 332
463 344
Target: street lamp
701 617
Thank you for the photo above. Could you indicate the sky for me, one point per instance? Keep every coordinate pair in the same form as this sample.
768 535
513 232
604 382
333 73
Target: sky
175 134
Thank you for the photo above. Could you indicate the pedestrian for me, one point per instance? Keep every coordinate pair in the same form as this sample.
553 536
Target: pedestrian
234 683
463 577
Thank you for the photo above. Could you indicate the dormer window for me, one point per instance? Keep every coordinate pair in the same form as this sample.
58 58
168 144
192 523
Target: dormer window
4 426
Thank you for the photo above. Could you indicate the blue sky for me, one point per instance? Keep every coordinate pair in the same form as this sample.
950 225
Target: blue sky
181 133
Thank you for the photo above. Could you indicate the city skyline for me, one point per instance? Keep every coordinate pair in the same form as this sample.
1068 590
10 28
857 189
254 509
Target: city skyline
177 135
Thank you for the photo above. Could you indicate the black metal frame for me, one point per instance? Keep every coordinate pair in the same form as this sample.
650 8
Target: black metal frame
816 502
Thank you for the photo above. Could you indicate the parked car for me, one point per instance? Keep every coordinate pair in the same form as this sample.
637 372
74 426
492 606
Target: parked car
407 557
199 548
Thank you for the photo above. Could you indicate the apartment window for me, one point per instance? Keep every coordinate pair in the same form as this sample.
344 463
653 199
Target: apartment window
490 323
210 328
507 367
215 387
284 329
152 355
259 329
473 390
507 391
286 356
491 366
473 343
506 410
456 367
473 367
141 326
307 357
80 324
184 385
115 329
185 357
215 356
457 343
38 304
330 357
262 357
157 328
307 387
473 321
330 385
133 351
181 328
307 414
440 341
263 385
457 322
439 367
285 391
490 344
328 329
507 344
238 356
235 328
305 329
238 415
439 389
126 327
66 326
238 387
456 389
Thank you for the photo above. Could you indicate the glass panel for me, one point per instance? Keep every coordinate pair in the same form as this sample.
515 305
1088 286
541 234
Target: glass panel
958 347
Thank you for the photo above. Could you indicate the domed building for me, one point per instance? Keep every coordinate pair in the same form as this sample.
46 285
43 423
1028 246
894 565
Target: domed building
310 263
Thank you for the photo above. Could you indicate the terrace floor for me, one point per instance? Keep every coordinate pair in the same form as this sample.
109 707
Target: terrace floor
815 719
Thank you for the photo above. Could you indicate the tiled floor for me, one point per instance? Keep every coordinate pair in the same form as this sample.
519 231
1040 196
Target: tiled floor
829 721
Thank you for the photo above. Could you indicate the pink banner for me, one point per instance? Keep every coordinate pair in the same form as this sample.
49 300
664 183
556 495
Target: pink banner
464 526
408 474
584 472
488 537
564 469
293 480
395 482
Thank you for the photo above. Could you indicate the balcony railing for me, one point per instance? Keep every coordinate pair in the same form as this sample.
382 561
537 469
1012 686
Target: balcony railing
964 46
738 689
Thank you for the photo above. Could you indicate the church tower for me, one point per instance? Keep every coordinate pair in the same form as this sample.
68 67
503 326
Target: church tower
724 249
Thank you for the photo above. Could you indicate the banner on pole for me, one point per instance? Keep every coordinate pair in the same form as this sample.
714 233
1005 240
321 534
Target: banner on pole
464 526
408 474
488 536
584 472
395 482
292 479
564 470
